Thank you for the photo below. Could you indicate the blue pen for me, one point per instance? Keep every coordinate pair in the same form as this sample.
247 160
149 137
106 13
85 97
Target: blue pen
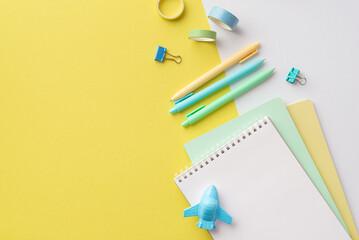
193 98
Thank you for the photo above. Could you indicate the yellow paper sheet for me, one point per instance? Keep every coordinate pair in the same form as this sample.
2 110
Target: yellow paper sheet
88 148
306 121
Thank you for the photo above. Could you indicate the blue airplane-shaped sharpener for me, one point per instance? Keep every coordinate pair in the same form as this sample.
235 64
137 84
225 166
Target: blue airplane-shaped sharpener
208 210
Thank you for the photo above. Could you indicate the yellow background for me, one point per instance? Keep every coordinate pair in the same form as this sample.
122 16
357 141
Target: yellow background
88 149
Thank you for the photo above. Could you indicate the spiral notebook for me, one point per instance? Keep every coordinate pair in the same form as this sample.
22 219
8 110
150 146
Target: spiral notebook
264 188
277 111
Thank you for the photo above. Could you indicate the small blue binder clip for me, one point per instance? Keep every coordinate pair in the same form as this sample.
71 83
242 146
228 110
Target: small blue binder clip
294 75
160 55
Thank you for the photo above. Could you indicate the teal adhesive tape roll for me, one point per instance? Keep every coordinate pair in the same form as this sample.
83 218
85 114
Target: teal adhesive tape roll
223 18
202 35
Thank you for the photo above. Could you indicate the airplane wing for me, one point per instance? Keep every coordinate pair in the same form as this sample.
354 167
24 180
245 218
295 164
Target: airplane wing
224 216
191 211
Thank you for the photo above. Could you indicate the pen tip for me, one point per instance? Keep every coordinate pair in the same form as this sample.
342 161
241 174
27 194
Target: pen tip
173 110
185 123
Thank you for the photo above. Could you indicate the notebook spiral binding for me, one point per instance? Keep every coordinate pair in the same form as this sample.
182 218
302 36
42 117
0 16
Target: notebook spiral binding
183 175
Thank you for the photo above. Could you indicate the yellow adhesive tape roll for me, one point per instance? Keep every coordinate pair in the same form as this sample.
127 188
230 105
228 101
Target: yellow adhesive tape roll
169 17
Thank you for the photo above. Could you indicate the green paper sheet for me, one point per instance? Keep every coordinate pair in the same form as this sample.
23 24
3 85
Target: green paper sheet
207 143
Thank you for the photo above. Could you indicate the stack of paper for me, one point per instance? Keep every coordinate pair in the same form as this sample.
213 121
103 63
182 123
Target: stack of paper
304 115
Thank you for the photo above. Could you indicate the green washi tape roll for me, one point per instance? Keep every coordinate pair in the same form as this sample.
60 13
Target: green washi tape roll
202 35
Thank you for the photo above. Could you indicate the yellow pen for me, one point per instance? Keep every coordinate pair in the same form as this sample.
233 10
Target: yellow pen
240 56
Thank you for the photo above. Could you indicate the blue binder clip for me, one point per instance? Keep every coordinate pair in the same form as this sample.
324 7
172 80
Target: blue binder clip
160 55
294 75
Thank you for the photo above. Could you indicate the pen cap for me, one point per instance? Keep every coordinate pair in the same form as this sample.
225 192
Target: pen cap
244 54
248 56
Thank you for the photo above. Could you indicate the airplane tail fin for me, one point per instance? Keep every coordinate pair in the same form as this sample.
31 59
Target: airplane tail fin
209 225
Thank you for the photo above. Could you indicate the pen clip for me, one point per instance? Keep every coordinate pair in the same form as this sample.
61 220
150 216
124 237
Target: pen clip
194 111
183 98
248 56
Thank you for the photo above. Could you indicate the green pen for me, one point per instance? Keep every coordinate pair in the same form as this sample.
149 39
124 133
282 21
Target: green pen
203 111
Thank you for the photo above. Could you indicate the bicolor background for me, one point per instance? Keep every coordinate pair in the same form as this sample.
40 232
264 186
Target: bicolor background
88 149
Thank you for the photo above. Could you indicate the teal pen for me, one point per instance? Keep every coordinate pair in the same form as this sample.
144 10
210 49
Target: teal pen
203 111
191 98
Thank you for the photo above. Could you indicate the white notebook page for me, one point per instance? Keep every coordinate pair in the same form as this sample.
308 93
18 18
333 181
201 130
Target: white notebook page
265 190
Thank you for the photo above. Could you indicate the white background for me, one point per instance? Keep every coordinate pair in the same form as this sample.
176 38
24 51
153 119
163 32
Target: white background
319 37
